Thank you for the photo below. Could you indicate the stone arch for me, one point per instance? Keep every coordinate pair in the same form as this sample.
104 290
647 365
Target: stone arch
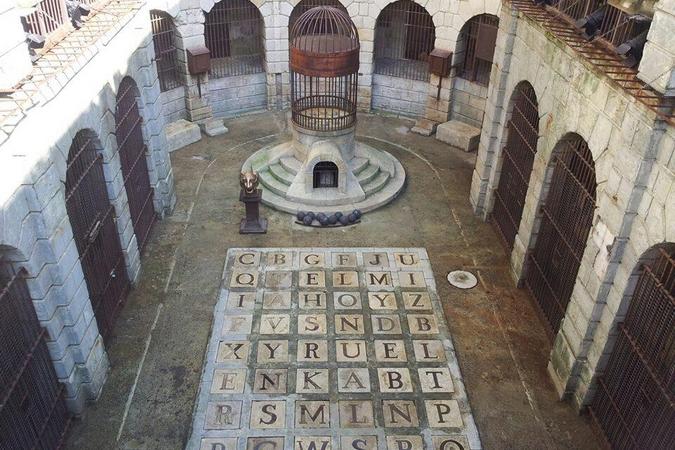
637 354
133 155
565 215
515 161
474 61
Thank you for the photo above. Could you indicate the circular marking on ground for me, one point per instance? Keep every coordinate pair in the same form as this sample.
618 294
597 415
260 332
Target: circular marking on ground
462 279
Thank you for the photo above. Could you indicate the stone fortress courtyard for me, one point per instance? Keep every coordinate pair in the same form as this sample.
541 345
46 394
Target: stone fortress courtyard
396 151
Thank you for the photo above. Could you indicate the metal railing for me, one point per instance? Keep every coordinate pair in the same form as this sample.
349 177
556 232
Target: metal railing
404 38
49 16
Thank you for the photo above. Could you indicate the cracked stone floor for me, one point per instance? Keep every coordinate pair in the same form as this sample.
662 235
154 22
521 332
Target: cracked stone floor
159 343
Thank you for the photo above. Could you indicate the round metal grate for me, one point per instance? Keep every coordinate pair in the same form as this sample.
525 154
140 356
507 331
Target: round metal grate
462 279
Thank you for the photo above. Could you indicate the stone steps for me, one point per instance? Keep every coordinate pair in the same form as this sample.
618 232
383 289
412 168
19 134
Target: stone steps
377 184
368 174
291 164
282 174
359 164
271 183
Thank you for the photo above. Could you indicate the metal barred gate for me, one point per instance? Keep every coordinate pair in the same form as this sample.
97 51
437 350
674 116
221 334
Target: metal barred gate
567 216
634 404
92 218
33 412
521 145
132 152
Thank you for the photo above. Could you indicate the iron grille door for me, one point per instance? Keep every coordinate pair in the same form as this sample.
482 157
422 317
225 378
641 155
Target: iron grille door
132 151
33 412
92 219
567 216
635 400
521 145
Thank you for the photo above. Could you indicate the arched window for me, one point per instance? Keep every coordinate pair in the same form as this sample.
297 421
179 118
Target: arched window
234 34
476 47
404 37
566 219
163 38
306 5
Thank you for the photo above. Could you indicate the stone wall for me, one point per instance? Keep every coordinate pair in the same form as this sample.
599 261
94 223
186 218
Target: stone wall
632 150
468 102
35 230
399 95
173 104
231 96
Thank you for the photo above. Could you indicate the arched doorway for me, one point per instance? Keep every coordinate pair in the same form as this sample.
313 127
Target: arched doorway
633 404
567 216
132 152
32 408
325 175
476 47
404 37
518 157
92 219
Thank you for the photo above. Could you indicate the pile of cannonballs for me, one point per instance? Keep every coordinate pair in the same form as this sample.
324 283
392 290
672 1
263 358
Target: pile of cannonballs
337 219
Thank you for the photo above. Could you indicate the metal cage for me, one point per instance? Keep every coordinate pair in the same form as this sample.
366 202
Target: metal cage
163 38
233 32
324 60
404 38
306 5
477 41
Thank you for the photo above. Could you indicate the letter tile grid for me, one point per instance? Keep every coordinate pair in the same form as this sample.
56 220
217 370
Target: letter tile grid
330 349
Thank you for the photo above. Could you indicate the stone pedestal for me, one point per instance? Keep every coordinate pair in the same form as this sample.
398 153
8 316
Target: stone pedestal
252 223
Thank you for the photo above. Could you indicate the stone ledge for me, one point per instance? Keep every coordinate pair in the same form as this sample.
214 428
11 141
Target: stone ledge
459 134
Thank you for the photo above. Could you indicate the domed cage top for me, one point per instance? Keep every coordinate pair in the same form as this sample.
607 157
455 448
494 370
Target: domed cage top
324 57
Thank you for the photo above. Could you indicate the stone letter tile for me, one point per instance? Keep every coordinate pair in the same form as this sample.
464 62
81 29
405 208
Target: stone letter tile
312 414
349 324
375 259
247 259
422 324
428 350
313 443
312 300
443 413
382 300
345 280
275 324
411 280
241 301
312 324
312 381
268 414
228 381
394 379
273 351
280 260
218 443
385 324
344 259
259 443
353 379
390 351
278 279
406 443
435 379
312 279
346 300
223 415
416 300
312 350
400 414
237 324
358 442
350 350
244 278
270 381
277 300
356 414
233 352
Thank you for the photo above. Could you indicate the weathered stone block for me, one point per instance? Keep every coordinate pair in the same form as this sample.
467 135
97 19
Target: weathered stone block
458 134
181 133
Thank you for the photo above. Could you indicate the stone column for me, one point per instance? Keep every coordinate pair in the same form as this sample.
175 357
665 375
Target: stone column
494 121
657 67
276 15
14 58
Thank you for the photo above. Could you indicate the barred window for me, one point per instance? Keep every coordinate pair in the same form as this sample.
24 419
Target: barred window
404 37
476 46
234 35
163 38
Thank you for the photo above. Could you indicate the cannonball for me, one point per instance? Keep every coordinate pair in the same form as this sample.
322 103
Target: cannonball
332 219
307 220
323 220
343 220
300 215
357 213
352 218
310 214
319 216
338 215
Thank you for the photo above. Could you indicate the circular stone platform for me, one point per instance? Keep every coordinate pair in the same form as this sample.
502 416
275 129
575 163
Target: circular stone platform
369 178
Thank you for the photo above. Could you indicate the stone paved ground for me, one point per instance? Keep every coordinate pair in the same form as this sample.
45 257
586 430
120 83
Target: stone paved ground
158 347
330 349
